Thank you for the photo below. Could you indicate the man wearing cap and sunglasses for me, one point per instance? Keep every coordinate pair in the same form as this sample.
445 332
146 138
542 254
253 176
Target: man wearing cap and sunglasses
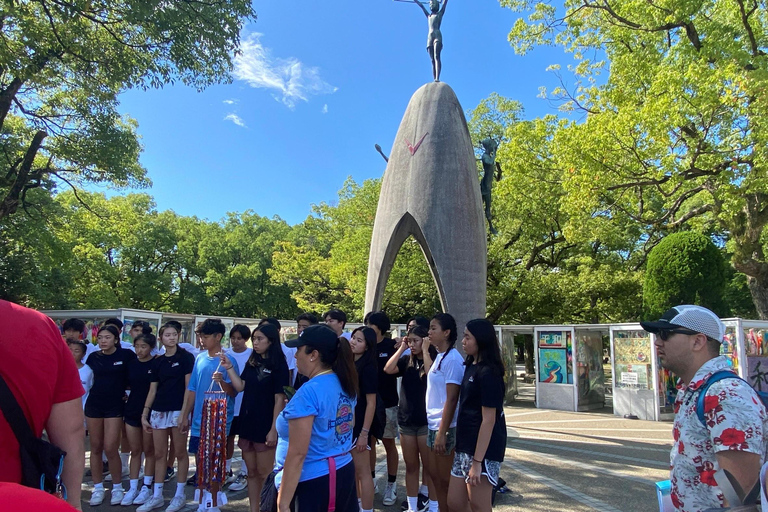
734 438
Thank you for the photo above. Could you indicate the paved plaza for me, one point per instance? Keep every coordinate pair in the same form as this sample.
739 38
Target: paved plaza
554 461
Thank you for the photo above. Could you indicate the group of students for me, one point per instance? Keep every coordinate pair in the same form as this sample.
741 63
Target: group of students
448 413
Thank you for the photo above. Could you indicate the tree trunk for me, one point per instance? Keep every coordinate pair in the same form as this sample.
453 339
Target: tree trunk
758 287
10 203
529 355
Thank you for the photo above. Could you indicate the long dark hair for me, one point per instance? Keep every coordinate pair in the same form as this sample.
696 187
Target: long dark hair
369 356
415 362
274 354
342 362
111 329
488 351
447 322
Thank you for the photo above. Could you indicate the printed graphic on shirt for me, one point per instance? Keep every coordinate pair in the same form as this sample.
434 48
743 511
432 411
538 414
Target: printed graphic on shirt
344 418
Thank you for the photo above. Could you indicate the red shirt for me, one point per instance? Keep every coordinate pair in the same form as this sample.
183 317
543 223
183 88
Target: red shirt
39 369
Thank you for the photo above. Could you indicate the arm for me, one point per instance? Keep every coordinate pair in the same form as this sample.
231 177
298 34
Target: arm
299 433
370 410
186 408
391 367
452 399
442 10
279 406
237 383
426 13
65 430
744 466
426 355
148 406
483 439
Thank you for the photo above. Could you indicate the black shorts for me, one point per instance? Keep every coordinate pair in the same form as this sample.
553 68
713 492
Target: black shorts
94 409
133 421
312 495
234 430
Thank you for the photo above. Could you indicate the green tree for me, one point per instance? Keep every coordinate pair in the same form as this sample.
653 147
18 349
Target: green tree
62 65
674 134
684 268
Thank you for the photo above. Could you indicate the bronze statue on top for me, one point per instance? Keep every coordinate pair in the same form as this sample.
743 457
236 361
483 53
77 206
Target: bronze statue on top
435 37
490 166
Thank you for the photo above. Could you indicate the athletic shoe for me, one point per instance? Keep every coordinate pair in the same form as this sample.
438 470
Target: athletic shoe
97 497
177 503
390 494
107 477
423 502
144 495
141 473
192 480
404 506
169 473
117 497
129 497
375 486
151 504
231 477
127 471
240 483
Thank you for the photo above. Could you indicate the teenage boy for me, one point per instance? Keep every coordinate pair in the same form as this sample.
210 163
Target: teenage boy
211 332
336 319
240 352
385 348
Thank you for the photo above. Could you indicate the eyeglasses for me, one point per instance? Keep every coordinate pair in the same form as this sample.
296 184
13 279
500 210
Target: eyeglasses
665 334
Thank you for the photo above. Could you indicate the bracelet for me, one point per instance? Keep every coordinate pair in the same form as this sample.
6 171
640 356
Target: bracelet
478 461
364 430
230 367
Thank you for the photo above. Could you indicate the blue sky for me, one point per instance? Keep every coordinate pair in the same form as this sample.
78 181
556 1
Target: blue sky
318 84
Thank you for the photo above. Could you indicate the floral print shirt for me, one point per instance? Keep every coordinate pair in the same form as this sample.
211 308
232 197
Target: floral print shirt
736 420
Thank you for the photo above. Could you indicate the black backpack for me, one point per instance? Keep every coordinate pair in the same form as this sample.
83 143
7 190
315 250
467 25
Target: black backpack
41 461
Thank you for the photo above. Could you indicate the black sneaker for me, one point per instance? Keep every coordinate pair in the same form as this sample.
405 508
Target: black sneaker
169 473
192 480
404 505
423 502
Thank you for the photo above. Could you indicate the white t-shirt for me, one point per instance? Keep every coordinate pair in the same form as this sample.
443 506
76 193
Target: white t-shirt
290 356
451 372
90 348
86 379
241 359
129 346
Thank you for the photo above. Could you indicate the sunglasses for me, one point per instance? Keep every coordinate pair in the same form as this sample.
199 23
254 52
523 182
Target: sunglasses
665 334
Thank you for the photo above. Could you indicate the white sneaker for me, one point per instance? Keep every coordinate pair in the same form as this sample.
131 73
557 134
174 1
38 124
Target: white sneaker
151 504
97 497
177 503
144 495
231 477
129 497
240 483
117 496
390 494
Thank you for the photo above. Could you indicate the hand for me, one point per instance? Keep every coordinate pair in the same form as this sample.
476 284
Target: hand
225 362
475 472
146 425
362 442
399 343
439 446
218 377
271 438
184 424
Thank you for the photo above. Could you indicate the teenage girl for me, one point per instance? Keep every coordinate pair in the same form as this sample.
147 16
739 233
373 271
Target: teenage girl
444 377
164 401
140 372
367 427
481 434
261 382
104 410
412 412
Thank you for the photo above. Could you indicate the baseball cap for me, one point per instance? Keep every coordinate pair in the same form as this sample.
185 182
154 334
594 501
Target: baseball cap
319 336
694 318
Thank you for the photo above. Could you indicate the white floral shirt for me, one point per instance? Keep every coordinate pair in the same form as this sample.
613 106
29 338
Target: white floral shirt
736 420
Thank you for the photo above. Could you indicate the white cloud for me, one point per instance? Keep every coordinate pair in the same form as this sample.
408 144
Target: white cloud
292 80
325 109
235 119
230 102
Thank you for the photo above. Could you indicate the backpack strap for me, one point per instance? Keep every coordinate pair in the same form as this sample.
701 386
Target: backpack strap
715 377
14 415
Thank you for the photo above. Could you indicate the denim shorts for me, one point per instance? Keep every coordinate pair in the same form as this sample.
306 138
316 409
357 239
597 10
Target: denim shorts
450 439
413 431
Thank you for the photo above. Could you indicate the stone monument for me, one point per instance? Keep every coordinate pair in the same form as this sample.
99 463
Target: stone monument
430 190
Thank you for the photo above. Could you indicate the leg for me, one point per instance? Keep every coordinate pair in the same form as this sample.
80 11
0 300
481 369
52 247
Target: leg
393 457
160 443
458 500
426 471
363 478
251 462
149 453
440 471
113 427
437 65
171 455
265 461
180 445
410 449
96 431
134 439
480 495
125 446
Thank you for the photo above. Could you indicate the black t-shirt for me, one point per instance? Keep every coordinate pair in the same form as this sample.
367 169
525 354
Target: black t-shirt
139 379
110 376
387 383
170 376
261 385
368 381
412 411
481 387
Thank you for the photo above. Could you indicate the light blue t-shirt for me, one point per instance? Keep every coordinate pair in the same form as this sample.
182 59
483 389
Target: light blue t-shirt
323 398
200 381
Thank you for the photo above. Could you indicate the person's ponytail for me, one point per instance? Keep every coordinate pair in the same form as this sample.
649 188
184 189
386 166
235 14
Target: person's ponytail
344 368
